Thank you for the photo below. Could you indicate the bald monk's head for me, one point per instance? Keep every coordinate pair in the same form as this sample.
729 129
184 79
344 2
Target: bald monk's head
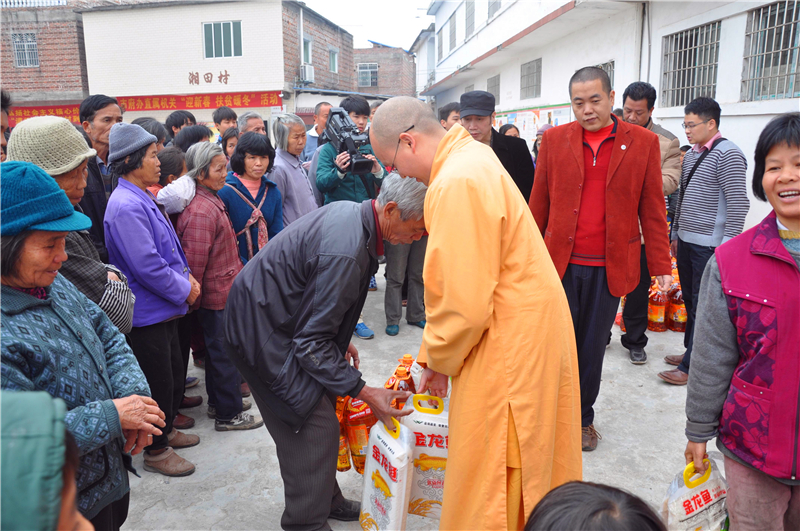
407 127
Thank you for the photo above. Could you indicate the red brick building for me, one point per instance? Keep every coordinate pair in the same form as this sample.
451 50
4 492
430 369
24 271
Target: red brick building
385 70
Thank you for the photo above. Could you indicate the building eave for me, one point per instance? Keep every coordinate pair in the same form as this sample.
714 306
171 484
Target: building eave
150 5
421 37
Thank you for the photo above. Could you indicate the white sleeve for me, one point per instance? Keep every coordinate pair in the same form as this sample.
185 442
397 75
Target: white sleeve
177 195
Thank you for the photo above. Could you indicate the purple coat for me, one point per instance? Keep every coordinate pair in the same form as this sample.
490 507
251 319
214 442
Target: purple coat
142 243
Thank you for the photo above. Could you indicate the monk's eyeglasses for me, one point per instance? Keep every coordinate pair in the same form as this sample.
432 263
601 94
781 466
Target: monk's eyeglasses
398 145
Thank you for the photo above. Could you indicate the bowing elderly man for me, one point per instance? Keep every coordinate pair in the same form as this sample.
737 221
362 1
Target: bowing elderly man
498 324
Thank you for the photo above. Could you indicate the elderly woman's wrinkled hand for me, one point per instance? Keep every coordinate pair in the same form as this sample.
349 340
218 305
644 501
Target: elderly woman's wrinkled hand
140 413
136 441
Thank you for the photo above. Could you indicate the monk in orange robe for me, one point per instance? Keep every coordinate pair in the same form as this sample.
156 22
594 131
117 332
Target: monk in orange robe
498 323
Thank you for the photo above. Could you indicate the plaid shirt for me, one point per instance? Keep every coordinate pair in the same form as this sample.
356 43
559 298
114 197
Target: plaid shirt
210 246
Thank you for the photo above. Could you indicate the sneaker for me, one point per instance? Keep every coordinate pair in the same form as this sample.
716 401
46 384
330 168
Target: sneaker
212 411
177 439
191 381
589 437
392 330
420 324
363 331
242 421
638 356
373 284
245 389
168 463
183 422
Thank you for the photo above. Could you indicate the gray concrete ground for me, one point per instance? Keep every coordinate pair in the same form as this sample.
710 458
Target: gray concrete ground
238 486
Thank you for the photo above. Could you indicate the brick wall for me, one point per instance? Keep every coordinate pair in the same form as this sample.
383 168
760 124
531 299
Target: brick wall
397 70
324 37
61 75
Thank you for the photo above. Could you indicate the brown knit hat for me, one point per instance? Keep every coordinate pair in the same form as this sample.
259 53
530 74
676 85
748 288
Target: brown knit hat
50 142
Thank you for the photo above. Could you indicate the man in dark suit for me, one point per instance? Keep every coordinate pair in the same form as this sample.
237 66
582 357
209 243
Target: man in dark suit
477 115
596 178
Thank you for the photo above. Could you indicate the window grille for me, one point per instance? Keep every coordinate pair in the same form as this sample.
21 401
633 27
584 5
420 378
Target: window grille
452 32
493 87
367 74
531 79
690 65
772 53
469 27
439 45
222 39
608 68
494 7
26 52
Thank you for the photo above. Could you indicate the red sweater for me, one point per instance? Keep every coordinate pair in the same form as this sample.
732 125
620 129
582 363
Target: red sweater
590 234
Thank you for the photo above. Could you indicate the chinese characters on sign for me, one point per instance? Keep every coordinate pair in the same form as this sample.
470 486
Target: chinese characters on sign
381 459
431 440
208 77
17 114
201 101
698 501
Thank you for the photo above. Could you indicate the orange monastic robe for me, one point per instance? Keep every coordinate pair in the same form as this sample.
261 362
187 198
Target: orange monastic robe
499 324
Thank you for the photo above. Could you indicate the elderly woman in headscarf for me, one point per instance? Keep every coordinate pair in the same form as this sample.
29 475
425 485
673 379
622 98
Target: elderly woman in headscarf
54 339
142 243
53 144
297 195
209 242
253 201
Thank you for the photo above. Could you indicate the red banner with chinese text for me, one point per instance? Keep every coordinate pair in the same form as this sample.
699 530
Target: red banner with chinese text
17 114
201 101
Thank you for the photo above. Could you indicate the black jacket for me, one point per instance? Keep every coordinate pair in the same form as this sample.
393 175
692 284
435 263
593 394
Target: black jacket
513 154
93 205
291 312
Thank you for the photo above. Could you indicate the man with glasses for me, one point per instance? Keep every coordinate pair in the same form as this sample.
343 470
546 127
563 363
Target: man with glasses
712 206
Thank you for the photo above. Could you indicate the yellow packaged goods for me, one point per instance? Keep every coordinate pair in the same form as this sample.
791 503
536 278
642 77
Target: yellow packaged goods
359 420
343 464
387 478
697 503
428 423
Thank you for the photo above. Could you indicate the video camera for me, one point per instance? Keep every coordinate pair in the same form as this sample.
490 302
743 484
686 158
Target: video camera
345 136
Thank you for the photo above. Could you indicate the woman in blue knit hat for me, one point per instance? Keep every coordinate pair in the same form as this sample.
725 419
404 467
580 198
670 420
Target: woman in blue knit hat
142 243
56 340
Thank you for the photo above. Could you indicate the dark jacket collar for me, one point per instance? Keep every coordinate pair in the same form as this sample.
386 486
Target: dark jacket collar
371 226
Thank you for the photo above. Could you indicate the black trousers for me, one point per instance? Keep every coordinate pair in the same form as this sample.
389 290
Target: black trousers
112 516
222 379
634 314
308 463
593 310
692 260
157 349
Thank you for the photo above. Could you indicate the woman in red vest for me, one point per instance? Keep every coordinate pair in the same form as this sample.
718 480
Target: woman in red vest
744 383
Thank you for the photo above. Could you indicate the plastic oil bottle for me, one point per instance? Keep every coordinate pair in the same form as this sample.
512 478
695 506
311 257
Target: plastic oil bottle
343 463
656 311
677 312
404 383
359 420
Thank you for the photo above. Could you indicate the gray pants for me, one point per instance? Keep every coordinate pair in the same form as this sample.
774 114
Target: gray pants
308 466
398 259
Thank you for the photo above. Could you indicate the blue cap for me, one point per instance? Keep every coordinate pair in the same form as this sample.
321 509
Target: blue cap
31 200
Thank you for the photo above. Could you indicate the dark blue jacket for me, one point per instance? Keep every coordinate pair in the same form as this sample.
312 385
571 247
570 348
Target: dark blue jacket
240 212
93 205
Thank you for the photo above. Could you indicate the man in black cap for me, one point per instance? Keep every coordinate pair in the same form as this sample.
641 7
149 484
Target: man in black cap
477 115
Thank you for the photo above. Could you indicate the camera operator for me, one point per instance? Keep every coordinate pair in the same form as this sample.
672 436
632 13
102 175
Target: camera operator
334 178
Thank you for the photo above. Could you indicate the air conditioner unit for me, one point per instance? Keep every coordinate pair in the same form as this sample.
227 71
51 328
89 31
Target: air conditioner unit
307 73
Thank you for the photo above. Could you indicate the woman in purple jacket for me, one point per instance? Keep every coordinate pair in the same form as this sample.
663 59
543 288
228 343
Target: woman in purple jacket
744 382
142 243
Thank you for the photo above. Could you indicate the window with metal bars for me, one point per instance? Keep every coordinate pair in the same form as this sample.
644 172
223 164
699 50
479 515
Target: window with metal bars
452 32
608 68
367 74
690 64
222 39
469 27
494 7
439 45
493 87
531 79
772 53
26 51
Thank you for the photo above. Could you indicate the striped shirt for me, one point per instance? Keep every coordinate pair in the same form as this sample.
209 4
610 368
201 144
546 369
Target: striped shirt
715 204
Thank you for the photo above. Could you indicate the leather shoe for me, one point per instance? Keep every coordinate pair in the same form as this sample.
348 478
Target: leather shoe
348 511
589 437
191 401
638 356
177 439
182 422
674 359
245 388
674 377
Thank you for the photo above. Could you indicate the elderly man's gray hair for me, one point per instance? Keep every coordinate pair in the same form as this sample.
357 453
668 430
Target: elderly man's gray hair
243 119
201 155
282 128
408 193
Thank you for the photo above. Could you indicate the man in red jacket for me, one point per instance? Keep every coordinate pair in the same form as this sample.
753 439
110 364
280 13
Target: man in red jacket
595 179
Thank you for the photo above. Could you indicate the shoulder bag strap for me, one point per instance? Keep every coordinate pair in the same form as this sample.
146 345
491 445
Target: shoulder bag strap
694 169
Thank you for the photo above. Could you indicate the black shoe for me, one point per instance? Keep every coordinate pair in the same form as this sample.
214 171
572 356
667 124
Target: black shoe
638 356
348 511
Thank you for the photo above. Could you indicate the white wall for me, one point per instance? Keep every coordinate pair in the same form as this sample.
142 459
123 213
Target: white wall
151 51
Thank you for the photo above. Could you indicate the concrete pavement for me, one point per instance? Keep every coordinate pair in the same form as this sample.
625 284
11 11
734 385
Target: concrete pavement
237 485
